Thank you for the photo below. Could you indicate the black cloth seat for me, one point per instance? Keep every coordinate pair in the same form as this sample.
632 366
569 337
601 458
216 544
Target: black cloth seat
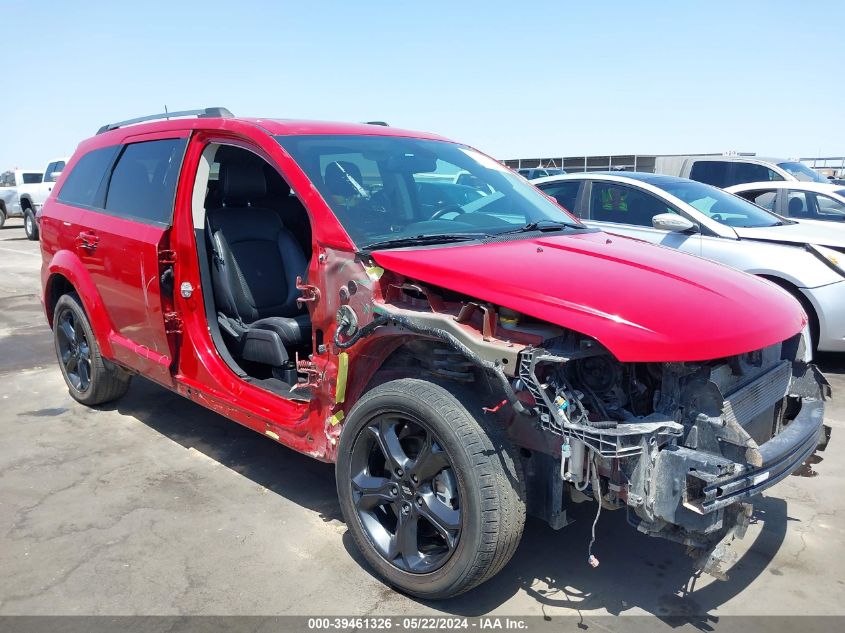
256 263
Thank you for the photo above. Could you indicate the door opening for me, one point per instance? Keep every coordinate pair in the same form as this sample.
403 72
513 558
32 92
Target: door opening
254 240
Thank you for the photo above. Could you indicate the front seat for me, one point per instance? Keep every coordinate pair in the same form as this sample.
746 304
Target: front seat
256 263
344 179
796 207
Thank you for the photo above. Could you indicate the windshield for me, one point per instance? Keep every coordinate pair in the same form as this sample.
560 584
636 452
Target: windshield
802 172
721 206
389 188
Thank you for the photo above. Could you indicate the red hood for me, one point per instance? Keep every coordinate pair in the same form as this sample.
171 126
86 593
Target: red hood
642 302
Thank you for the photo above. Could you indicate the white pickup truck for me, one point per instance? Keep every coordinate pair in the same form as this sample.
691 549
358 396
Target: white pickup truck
28 194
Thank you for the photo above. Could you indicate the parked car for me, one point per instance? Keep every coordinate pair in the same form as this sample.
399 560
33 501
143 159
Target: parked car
539 172
460 365
28 197
725 171
806 260
10 204
817 201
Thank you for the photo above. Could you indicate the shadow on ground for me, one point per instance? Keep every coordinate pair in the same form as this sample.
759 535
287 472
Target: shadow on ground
636 571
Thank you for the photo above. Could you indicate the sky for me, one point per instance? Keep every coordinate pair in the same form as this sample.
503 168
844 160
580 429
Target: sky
514 79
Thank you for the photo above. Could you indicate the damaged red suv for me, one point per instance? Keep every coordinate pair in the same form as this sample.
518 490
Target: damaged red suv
462 348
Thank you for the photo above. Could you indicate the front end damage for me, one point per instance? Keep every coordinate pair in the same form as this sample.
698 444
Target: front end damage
681 446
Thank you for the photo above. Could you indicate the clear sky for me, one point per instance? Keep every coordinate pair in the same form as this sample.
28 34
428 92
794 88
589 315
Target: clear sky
515 79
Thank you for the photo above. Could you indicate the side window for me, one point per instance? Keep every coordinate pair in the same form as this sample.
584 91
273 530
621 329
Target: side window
751 172
611 202
761 197
798 205
83 182
54 168
566 193
711 172
829 206
143 183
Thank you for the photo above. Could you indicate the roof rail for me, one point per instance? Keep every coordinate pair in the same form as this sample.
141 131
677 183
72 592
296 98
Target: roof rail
377 123
203 113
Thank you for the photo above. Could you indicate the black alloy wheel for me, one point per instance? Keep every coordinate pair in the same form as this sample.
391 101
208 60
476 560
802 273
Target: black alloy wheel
90 378
431 488
74 350
405 493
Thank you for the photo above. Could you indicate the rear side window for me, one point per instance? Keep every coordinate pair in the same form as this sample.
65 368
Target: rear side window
761 197
711 172
143 183
83 182
566 193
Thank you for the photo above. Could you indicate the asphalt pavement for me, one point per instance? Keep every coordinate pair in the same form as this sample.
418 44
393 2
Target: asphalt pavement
156 506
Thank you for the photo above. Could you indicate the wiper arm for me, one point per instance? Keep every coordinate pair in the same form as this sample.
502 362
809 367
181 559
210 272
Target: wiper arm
417 240
545 225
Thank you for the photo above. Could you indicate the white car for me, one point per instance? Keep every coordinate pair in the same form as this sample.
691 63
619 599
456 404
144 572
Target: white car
10 203
805 259
815 201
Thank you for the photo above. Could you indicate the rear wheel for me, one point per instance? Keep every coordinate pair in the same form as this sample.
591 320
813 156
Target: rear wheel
30 226
432 493
90 379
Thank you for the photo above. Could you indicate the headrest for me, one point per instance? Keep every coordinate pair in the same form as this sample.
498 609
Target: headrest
241 183
340 176
796 205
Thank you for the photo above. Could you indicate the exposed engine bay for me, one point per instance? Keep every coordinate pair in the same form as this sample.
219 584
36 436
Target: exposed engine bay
681 446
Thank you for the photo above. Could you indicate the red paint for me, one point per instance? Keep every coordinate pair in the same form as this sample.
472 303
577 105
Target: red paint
699 310
642 302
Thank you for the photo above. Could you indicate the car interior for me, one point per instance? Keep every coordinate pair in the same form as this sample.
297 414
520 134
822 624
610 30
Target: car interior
257 238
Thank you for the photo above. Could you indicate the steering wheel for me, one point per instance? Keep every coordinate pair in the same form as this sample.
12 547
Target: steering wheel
448 208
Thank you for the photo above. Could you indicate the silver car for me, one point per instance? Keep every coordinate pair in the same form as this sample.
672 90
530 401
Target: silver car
806 259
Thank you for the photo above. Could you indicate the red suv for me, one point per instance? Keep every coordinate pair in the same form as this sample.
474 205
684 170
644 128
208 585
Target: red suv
464 359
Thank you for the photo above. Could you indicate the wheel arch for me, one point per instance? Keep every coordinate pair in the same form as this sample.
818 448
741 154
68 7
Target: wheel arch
395 356
66 273
802 298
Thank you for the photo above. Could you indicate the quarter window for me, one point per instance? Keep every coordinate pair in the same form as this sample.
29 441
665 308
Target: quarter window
143 183
83 182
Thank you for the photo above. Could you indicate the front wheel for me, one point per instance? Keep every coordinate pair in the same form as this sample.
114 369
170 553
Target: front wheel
30 226
90 379
431 491
2 217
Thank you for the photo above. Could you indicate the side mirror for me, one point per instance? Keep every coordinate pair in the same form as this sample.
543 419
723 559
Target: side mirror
673 222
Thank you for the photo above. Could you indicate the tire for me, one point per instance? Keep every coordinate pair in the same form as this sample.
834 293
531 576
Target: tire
2 217
91 380
477 498
30 226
